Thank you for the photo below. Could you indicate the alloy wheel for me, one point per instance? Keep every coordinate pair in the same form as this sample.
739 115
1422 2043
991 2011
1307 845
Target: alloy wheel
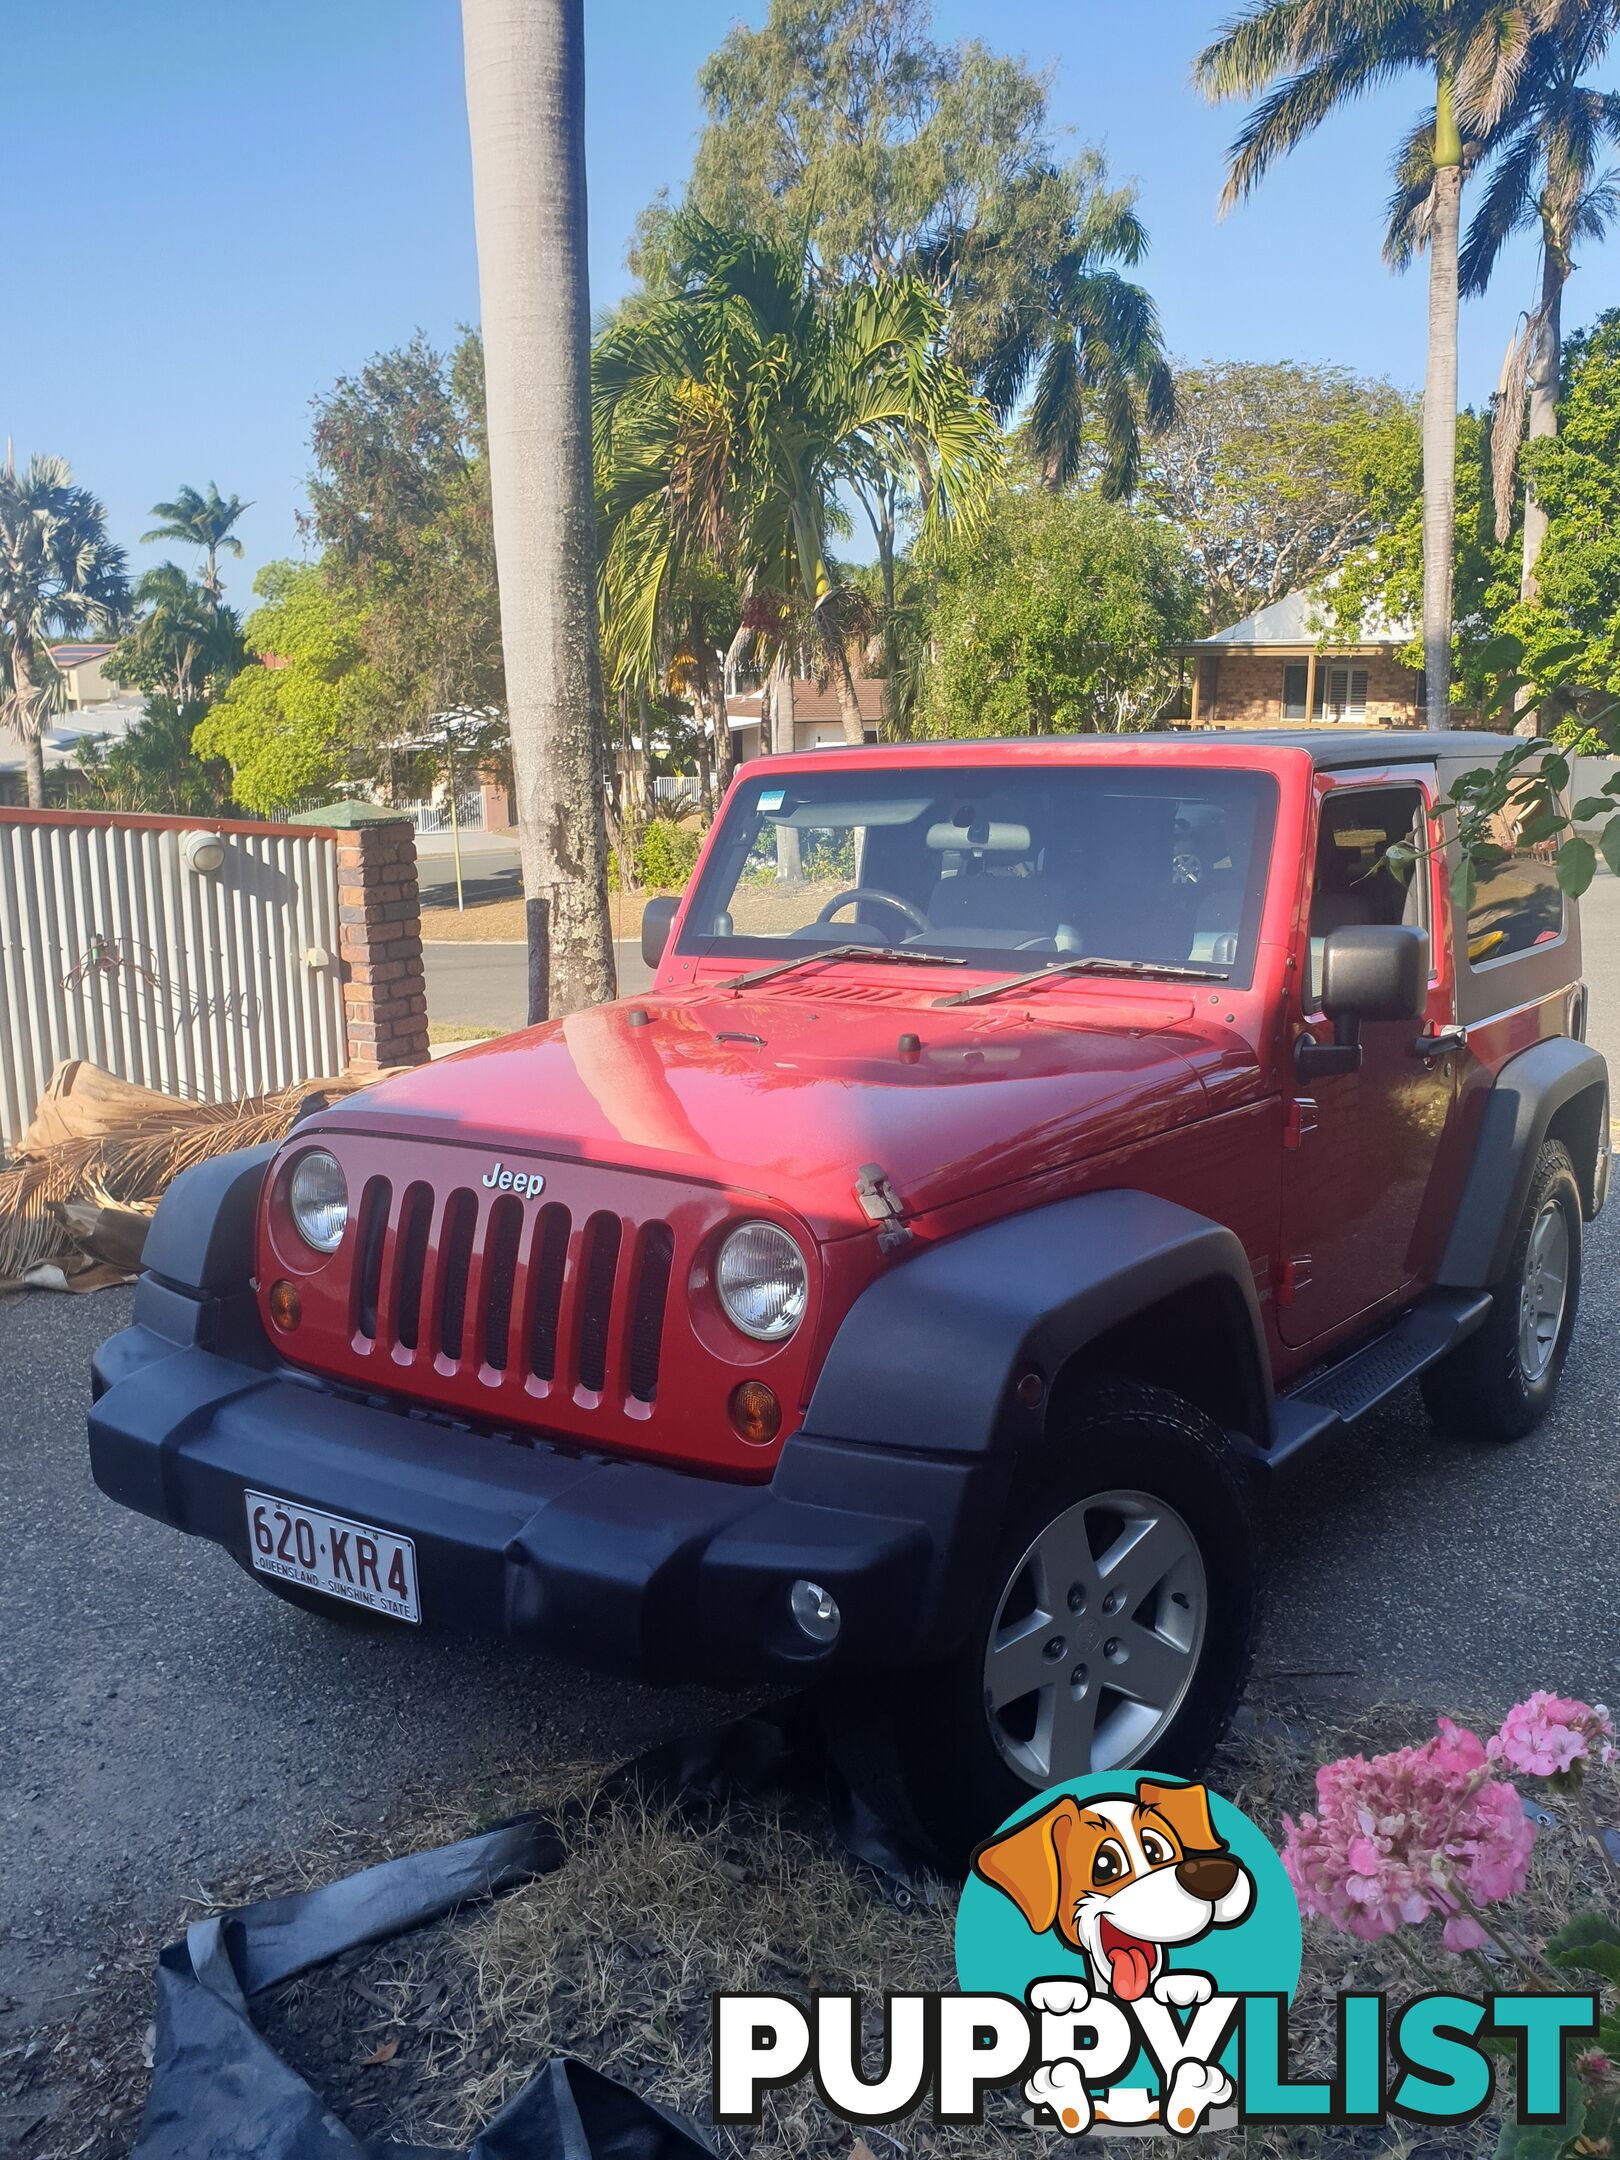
1543 1292
1096 1638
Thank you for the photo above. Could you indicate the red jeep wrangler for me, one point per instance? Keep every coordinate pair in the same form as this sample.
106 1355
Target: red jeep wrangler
1026 1150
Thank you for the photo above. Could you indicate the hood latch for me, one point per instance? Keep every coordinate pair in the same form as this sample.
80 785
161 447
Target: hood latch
881 1204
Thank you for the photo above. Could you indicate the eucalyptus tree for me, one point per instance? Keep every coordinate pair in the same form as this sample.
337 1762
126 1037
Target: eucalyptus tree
729 415
60 576
1541 171
525 69
202 521
1304 59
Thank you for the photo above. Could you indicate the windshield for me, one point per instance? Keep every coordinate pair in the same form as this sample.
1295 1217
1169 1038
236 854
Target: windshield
997 867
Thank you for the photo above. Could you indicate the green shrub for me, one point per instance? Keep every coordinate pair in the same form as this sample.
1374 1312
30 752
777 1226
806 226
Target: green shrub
666 854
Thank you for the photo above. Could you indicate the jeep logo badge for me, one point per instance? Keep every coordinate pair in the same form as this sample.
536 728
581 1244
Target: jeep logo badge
525 1183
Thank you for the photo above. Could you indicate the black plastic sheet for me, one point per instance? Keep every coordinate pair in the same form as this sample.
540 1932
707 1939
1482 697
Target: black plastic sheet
220 2090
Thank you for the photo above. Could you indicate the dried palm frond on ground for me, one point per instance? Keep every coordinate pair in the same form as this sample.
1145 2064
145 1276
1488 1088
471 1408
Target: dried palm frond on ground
98 1142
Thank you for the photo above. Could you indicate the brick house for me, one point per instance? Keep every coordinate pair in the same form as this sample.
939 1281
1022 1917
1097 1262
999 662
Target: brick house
1281 667
817 722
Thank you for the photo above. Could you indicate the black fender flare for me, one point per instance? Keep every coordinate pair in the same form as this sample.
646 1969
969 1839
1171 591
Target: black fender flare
1528 1094
201 1239
1519 1109
930 1356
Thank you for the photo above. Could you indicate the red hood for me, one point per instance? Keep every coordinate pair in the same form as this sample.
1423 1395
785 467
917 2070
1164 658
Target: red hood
788 1094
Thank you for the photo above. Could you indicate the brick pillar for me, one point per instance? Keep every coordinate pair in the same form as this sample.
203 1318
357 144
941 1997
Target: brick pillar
380 946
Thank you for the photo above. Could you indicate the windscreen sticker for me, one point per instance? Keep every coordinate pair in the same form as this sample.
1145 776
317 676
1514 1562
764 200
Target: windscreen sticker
773 798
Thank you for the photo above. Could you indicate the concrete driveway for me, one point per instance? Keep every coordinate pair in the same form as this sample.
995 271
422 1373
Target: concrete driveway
166 1718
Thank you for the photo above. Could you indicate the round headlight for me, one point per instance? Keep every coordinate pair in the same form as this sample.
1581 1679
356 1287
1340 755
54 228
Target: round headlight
763 1281
318 1200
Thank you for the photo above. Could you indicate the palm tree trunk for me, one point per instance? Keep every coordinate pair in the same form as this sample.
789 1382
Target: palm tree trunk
893 718
1545 367
525 68
849 700
30 710
34 764
1440 413
788 859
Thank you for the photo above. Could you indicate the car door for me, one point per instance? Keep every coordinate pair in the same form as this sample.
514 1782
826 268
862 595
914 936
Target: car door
1360 1148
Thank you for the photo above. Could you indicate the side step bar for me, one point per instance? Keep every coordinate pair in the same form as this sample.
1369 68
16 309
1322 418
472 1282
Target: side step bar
1324 1404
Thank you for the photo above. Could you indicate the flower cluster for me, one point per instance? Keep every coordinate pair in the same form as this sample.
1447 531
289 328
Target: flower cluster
1547 1735
1394 1840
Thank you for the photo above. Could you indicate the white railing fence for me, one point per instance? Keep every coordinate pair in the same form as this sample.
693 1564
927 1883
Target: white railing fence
434 817
197 959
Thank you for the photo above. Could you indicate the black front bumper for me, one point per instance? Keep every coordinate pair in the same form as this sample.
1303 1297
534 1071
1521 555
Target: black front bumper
622 1566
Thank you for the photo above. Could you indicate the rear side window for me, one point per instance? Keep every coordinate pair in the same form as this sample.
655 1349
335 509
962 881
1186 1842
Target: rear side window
1518 903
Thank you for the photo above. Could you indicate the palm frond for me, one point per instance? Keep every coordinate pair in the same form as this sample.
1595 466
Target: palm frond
1250 50
1057 414
1281 121
1507 206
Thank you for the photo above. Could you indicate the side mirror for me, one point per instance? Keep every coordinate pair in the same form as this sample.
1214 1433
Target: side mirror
657 921
1370 971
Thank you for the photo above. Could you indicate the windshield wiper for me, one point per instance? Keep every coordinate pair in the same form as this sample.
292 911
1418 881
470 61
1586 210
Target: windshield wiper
1092 964
896 955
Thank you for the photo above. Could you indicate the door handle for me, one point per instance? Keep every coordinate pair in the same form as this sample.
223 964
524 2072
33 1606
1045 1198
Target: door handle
1440 1042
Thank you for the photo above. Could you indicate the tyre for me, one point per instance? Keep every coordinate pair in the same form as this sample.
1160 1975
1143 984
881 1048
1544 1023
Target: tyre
1112 1631
1500 1383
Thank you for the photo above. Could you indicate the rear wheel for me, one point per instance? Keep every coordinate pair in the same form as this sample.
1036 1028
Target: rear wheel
1112 1631
1500 1383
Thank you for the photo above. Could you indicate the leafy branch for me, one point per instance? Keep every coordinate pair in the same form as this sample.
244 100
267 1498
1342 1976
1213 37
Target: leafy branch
1518 802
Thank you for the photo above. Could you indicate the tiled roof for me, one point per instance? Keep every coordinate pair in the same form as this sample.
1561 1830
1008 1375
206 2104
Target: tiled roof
75 655
810 702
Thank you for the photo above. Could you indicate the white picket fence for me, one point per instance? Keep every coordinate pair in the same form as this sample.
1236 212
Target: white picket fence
123 940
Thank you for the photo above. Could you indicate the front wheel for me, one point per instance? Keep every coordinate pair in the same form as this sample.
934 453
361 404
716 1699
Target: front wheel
1112 1632
1500 1382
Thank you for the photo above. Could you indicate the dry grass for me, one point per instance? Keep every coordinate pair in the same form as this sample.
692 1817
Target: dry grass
458 1031
616 1957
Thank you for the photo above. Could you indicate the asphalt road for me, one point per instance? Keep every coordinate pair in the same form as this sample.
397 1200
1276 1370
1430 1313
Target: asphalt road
477 985
164 1718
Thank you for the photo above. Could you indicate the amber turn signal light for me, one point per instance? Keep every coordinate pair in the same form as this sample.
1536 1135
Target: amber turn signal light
755 1413
286 1306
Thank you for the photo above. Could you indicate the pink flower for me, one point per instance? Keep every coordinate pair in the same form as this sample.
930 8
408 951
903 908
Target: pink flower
1389 1838
1596 2067
1546 1735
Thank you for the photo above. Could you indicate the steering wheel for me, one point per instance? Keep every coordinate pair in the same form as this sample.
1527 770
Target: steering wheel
917 919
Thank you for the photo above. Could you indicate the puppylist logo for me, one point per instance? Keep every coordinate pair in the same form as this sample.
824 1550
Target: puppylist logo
1127 1951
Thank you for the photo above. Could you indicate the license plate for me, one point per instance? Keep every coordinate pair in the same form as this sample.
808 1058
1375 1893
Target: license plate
341 1559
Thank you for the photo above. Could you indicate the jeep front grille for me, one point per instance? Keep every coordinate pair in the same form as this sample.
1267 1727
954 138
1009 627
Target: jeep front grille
499 1290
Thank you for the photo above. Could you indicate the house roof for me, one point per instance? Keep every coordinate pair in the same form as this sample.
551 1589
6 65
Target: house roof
1298 620
75 654
109 721
810 702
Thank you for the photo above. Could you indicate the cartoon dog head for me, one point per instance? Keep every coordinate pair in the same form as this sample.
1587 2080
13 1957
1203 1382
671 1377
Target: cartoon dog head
1120 1878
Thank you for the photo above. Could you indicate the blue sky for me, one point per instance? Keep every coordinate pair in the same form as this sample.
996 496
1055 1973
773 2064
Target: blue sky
230 205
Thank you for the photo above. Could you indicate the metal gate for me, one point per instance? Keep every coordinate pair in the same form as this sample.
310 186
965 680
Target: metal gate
200 959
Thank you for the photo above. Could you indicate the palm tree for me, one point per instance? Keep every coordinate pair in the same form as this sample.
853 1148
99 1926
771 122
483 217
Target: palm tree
1308 57
1540 175
525 66
1084 335
59 577
202 521
728 417
184 641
